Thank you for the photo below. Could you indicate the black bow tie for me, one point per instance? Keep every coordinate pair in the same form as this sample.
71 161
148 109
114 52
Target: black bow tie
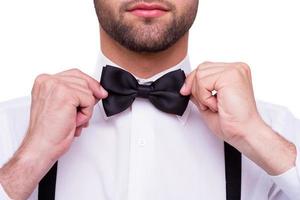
123 88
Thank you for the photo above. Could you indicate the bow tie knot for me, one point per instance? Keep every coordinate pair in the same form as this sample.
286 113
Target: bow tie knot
123 88
143 91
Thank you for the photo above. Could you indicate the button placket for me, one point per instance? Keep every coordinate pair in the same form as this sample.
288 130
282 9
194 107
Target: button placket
141 142
141 148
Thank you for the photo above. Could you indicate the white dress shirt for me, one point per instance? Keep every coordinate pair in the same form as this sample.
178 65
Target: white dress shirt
145 154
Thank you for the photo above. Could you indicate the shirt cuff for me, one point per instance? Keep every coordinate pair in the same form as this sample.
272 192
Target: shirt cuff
3 194
289 181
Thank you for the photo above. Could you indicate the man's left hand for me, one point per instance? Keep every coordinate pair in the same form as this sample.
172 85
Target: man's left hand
224 95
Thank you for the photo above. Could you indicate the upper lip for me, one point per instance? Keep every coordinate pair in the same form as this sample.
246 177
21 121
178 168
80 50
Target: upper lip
148 6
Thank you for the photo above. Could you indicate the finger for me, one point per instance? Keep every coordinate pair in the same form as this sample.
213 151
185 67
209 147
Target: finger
85 125
203 91
84 114
78 131
94 85
86 91
203 72
198 104
197 94
39 80
208 68
207 65
85 105
73 79
78 84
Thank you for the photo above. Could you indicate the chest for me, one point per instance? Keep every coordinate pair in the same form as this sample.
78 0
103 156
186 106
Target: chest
143 154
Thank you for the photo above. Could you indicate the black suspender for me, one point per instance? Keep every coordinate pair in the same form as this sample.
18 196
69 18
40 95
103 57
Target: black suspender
233 172
47 185
233 167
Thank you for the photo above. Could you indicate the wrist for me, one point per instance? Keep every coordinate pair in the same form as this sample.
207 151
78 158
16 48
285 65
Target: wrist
22 173
36 147
251 132
245 133
36 159
267 149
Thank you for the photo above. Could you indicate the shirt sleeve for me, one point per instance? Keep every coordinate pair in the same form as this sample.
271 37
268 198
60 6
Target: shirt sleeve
5 148
288 183
3 194
14 118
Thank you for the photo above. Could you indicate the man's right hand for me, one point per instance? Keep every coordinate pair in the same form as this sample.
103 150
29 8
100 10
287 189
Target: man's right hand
62 104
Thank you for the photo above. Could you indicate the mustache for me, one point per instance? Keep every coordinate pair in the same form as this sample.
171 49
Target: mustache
126 5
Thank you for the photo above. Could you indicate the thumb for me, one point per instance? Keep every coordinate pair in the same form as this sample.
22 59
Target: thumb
186 89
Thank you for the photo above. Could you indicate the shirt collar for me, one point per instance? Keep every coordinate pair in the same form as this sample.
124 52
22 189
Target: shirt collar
185 65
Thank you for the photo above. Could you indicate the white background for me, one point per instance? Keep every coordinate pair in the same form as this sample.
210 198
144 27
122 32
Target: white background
38 36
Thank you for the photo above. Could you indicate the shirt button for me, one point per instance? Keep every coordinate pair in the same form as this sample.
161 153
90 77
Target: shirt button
142 142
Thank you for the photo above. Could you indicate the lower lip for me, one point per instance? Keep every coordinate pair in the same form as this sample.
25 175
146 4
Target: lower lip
148 13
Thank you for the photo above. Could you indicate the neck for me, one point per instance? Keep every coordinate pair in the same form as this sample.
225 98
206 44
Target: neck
143 65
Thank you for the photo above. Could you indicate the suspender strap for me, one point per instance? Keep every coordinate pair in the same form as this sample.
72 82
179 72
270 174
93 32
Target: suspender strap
233 174
233 166
47 185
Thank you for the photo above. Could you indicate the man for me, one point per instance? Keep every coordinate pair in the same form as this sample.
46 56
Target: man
139 142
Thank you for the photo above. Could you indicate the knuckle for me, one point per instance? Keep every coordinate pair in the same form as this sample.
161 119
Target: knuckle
33 91
88 113
91 94
201 85
51 82
194 92
63 93
243 67
234 73
75 70
198 73
201 82
61 89
204 64
243 64
84 83
91 100
48 84
207 62
40 78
